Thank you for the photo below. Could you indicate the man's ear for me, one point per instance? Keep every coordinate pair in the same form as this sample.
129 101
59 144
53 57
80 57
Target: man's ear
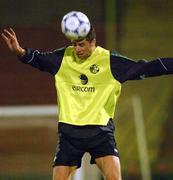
93 42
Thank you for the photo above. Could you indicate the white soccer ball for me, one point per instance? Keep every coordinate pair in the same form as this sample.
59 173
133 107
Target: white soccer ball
75 25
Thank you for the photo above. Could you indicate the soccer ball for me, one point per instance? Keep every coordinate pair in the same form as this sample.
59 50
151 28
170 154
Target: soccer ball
75 25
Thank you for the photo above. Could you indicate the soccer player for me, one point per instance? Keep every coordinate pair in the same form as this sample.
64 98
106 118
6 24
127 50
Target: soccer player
88 81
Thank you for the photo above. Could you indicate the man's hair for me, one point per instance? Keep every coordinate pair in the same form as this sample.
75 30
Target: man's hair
91 35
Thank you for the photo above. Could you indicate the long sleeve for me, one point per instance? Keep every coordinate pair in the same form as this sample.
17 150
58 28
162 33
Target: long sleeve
47 61
124 69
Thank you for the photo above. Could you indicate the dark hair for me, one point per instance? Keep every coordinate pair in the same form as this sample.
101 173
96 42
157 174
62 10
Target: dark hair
91 35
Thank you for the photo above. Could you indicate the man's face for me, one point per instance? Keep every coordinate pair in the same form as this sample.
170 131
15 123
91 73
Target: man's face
83 48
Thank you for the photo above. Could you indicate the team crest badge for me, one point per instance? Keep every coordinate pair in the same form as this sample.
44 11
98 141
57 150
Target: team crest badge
94 69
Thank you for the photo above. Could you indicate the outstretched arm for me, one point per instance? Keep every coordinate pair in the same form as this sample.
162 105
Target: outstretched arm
49 61
11 40
125 69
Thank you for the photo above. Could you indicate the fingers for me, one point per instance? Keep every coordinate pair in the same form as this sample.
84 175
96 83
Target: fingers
12 32
8 33
10 38
4 37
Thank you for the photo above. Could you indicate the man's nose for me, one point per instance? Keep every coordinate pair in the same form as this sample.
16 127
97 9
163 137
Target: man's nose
77 48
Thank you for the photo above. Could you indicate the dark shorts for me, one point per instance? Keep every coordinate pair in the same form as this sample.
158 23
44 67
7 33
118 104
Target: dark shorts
70 150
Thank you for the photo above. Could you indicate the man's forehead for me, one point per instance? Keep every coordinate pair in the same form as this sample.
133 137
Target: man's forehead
78 41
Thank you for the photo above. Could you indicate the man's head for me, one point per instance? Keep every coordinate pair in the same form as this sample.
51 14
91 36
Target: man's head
85 47
76 26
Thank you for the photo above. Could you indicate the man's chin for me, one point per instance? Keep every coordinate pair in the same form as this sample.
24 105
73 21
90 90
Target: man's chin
81 56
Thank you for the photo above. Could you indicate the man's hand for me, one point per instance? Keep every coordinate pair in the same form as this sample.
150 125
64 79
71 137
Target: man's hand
10 38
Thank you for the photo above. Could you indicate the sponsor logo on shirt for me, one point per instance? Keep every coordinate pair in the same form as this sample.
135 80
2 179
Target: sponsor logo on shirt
84 81
83 88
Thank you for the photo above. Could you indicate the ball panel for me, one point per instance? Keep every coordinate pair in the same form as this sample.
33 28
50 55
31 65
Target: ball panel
72 23
71 35
83 29
82 17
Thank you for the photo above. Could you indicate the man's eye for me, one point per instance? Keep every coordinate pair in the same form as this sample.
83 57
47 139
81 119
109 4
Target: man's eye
74 45
81 45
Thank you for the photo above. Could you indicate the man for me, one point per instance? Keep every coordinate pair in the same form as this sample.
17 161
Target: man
88 80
